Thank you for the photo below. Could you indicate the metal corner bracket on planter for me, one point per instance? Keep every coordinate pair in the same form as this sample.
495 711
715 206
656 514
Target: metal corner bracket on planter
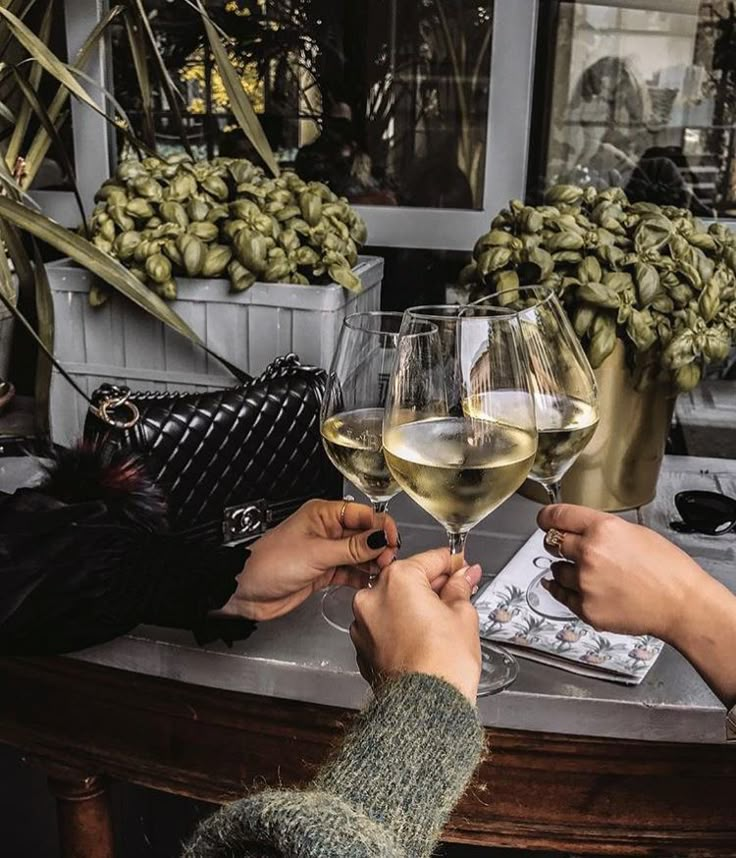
120 343
620 467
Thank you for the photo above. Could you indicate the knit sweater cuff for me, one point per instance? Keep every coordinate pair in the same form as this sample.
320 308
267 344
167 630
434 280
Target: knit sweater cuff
408 759
387 794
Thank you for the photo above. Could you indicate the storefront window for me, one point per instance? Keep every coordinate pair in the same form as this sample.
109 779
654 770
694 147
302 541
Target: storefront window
387 101
641 95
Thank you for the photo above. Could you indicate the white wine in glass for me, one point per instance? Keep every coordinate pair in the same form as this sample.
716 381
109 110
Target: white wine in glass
446 466
352 422
565 390
353 442
459 431
565 395
566 425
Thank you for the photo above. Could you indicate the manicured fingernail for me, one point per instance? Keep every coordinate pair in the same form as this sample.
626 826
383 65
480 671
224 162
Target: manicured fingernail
377 540
472 571
474 590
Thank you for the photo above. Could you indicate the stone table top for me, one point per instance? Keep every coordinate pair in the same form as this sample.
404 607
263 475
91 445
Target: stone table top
301 657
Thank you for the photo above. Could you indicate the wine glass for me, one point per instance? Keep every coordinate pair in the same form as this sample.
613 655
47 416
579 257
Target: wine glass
351 423
565 395
459 433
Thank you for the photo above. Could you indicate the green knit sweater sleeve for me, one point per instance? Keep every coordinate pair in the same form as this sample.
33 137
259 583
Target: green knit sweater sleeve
387 793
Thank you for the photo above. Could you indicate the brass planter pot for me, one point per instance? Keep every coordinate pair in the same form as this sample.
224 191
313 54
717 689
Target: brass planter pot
619 468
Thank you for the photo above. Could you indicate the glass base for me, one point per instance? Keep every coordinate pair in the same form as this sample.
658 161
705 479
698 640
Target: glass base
337 607
498 669
542 602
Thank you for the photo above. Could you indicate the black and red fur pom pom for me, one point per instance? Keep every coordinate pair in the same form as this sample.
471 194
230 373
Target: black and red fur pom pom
116 478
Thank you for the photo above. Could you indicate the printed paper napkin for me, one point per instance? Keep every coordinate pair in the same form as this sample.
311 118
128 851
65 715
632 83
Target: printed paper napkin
518 613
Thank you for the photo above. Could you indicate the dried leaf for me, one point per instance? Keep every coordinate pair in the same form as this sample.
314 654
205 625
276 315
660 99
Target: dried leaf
239 102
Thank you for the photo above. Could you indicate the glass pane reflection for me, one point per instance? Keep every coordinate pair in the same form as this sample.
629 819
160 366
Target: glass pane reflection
385 100
643 95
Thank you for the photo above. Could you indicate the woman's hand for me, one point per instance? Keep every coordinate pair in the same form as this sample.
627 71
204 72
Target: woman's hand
618 576
621 577
403 626
312 549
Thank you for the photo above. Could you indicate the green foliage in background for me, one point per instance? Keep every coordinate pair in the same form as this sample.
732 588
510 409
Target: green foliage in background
651 276
169 218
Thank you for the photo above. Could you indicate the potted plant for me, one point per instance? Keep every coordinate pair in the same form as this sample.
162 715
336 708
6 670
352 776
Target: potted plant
259 266
652 295
134 334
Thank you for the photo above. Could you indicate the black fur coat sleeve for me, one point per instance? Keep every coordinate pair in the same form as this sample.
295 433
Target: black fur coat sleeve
86 557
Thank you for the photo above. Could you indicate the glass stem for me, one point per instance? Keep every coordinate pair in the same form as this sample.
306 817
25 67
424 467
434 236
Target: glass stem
457 548
554 491
379 507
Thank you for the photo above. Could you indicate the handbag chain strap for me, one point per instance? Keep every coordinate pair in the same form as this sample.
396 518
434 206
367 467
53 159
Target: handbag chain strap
110 399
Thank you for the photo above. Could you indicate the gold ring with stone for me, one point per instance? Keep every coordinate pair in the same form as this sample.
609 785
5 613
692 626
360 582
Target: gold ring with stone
555 539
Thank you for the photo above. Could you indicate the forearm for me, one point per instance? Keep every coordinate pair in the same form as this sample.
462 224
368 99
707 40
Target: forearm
402 767
706 635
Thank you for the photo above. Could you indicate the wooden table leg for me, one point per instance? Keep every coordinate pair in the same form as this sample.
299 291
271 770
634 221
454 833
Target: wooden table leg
83 814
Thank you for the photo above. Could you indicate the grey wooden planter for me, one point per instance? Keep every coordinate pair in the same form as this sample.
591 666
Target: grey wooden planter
121 343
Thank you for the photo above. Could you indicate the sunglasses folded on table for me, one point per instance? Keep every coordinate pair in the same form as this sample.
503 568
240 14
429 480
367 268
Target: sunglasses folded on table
708 513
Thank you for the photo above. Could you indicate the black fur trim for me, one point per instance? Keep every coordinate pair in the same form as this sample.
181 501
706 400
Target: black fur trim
117 478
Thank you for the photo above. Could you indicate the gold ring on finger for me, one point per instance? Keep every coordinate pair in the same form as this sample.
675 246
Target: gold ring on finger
345 501
554 541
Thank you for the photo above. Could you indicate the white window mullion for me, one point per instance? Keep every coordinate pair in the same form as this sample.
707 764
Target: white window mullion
92 133
507 145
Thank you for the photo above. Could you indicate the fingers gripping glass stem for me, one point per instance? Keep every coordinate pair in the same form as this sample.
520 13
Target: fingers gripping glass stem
459 431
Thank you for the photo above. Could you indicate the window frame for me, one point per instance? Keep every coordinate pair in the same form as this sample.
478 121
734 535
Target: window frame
511 79
507 143
90 131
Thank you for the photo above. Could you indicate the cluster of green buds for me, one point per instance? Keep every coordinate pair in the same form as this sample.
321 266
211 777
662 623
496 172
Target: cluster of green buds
652 276
174 217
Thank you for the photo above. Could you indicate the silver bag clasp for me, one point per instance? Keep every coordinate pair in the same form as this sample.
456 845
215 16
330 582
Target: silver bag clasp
245 521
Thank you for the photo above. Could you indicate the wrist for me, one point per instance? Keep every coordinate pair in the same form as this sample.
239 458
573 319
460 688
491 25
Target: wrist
699 600
238 605
465 682
689 597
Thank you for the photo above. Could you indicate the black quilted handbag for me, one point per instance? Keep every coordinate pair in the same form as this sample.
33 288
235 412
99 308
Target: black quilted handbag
231 462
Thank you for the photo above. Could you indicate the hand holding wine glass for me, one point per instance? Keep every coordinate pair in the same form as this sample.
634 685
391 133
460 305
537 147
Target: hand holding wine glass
352 421
459 430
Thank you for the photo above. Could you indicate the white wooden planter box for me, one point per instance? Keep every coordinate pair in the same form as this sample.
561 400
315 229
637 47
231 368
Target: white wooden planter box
119 342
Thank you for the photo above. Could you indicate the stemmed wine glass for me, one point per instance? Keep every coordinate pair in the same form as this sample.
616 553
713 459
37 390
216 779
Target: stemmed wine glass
351 423
459 433
565 395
